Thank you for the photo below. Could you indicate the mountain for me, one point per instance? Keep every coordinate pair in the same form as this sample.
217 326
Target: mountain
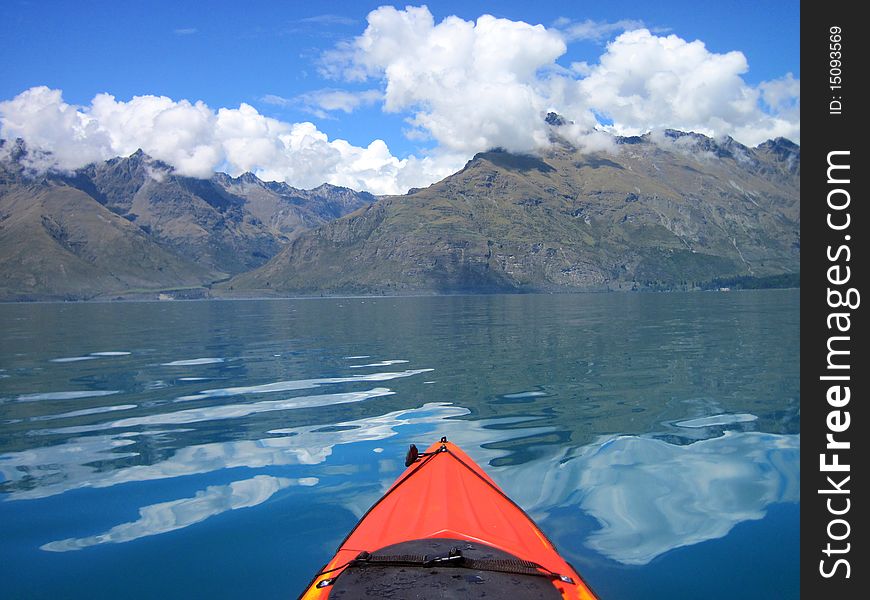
130 225
288 211
669 211
228 224
58 243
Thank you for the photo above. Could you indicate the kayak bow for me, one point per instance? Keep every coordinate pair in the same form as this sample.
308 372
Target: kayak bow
444 529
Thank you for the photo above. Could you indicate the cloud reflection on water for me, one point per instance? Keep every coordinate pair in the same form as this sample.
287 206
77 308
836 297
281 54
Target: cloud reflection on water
650 496
177 514
71 465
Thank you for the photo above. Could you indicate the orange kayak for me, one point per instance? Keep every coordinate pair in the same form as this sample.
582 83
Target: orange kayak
444 529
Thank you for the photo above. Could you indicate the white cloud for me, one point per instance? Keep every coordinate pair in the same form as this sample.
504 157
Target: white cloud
322 102
596 31
276 100
469 85
46 122
343 100
783 98
589 140
197 140
474 85
644 82
185 31
782 94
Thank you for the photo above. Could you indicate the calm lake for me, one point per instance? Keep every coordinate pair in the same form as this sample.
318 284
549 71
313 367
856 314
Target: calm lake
223 449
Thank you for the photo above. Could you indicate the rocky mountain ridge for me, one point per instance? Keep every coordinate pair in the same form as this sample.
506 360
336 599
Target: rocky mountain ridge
131 224
672 210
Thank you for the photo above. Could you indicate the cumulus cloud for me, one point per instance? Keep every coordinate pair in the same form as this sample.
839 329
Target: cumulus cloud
783 97
473 85
468 85
644 81
197 140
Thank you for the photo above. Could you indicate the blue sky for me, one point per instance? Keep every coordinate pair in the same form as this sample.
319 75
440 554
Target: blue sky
228 53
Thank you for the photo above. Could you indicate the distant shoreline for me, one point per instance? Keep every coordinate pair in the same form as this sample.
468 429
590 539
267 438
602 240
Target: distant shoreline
155 296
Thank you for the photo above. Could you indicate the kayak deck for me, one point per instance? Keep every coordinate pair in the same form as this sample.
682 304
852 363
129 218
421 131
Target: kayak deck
445 502
486 573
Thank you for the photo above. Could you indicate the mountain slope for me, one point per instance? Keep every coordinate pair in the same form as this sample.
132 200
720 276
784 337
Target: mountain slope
660 213
57 242
287 211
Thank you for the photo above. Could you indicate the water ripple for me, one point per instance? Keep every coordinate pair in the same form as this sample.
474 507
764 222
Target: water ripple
298 384
70 359
229 411
66 395
383 363
84 412
717 420
192 362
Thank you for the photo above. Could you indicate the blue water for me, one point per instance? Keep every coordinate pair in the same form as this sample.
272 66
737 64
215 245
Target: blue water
223 449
